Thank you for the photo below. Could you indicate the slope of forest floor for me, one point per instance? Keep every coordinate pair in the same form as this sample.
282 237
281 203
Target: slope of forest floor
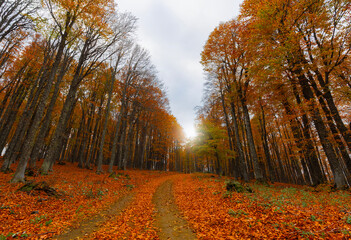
159 205
88 226
83 195
280 211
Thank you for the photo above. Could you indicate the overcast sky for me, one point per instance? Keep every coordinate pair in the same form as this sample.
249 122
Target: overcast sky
174 32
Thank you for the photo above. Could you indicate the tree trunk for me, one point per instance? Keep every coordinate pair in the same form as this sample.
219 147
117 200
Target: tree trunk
29 144
95 135
333 109
115 141
239 148
262 121
46 123
122 142
332 127
68 106
251 143
104 128
338 173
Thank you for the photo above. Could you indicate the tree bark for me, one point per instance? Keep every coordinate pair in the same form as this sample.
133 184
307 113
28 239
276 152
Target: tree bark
251 143
338 173
104 128
239 148
46 123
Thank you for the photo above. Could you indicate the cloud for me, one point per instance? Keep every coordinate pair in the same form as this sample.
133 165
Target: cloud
174 32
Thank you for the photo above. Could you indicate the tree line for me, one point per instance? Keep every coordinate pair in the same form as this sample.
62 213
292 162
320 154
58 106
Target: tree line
75 86
276 104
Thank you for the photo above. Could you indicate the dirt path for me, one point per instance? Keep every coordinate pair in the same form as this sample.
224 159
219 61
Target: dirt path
90 225
168 219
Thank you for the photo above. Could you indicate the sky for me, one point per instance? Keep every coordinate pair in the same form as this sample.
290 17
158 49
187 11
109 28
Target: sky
174 32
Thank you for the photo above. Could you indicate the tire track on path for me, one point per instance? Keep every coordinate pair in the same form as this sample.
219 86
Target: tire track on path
88 226
148 213
168 218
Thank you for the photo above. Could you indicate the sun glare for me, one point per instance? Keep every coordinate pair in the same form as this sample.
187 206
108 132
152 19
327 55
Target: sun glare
190 133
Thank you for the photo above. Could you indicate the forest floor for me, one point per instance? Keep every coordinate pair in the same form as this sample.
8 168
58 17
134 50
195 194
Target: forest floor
165 205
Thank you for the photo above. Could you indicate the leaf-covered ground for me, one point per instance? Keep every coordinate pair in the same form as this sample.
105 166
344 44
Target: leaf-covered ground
37 215
270 212
276 212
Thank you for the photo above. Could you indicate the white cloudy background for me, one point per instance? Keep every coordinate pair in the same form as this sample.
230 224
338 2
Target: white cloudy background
174 32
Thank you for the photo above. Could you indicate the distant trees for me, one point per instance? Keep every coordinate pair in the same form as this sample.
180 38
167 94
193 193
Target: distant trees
79 90
278 75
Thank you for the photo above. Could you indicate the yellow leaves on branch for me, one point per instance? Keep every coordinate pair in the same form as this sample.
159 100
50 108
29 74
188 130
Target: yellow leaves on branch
87 13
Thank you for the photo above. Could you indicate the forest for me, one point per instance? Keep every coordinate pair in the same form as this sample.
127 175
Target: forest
77 87
277 100
90 148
